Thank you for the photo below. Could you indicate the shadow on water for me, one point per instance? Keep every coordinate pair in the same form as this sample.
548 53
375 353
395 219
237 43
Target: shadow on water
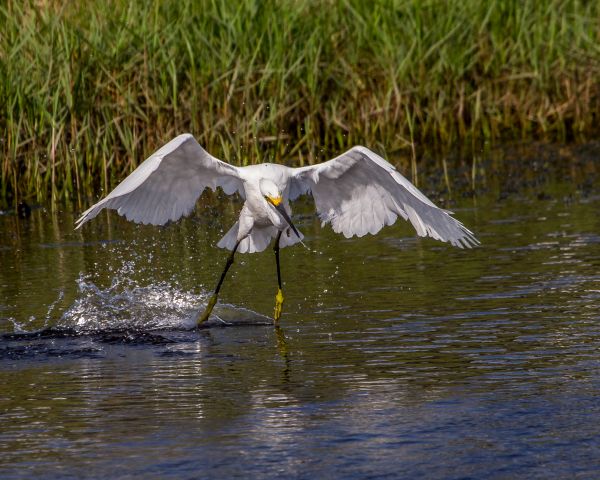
396 356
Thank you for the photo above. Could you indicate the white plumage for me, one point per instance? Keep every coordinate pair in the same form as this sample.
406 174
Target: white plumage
357 192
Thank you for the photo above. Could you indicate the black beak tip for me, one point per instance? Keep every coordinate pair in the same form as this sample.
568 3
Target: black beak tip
287 218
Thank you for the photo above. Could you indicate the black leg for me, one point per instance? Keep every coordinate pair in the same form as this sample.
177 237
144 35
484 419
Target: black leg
279 296
213 299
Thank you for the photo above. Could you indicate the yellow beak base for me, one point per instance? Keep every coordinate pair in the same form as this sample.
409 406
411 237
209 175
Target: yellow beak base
274 200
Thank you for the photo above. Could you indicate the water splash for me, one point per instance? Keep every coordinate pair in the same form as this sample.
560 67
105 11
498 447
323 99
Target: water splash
25 327
127 305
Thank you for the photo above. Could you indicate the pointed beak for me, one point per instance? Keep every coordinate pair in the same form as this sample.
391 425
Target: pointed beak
287 218
278 204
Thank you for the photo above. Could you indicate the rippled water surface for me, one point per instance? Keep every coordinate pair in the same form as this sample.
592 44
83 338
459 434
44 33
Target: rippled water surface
398 357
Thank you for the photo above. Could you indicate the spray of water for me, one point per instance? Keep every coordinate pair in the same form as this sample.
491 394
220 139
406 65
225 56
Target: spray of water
126 304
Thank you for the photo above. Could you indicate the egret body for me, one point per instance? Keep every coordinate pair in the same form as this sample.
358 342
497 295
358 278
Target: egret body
357 192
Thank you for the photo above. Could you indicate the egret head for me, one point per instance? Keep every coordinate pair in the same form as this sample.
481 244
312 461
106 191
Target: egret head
270 191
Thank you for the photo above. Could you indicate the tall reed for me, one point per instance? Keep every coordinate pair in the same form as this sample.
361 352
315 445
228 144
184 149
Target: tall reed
88 89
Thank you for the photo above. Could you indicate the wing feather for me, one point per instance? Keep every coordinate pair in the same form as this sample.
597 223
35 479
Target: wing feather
359 192
167 184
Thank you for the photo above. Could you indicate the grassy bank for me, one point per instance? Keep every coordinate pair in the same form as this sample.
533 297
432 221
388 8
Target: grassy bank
88 89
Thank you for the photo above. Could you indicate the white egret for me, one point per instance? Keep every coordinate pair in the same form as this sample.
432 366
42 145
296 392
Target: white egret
357 192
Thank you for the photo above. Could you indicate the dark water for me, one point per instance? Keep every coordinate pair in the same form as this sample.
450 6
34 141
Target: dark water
398 357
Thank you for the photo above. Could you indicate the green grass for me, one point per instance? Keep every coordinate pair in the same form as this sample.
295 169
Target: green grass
89 89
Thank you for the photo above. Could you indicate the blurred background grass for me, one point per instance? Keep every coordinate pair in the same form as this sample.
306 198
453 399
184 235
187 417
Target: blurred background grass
89 89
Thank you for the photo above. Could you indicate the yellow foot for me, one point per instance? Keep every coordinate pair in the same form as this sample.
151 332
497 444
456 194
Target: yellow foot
278 305
209 307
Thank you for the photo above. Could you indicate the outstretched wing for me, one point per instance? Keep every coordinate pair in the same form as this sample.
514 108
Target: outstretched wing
359 193
167 184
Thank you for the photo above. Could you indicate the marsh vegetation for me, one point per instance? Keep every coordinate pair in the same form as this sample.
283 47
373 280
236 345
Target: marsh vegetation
88 89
